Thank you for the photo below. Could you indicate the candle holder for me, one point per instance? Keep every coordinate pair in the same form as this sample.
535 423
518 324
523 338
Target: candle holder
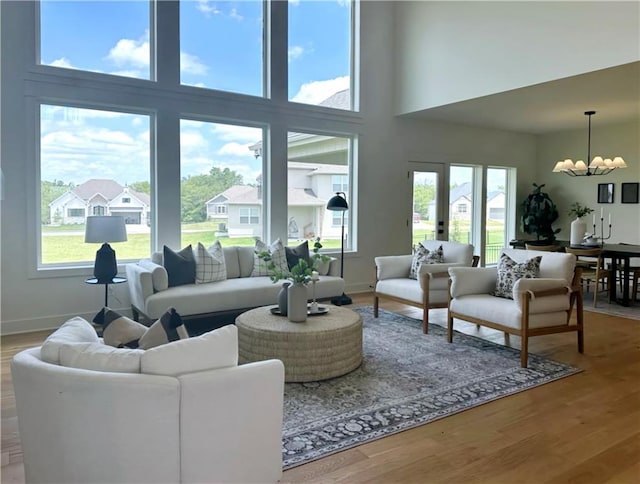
602 238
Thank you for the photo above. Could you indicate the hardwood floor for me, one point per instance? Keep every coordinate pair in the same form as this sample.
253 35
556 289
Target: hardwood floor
582 429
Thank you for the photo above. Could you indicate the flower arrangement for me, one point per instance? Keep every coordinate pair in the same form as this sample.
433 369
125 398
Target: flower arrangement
302 272
579 210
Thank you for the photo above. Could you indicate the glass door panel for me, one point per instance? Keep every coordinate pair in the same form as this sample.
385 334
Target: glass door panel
427 217
496 232
461 204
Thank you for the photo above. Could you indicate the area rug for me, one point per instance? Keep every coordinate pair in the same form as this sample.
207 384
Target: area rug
612 309
407 379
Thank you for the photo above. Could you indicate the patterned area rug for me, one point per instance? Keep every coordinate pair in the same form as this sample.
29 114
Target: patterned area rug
407 379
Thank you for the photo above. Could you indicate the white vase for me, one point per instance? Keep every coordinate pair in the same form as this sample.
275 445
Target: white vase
578 229
297 303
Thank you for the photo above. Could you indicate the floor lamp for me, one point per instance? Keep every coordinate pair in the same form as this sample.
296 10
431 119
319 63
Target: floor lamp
338 203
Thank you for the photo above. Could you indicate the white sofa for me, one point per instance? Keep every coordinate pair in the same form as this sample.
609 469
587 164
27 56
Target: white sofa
151 296
430 289
190 414
540 305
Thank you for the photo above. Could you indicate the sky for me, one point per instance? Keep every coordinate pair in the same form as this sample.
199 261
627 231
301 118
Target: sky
113 38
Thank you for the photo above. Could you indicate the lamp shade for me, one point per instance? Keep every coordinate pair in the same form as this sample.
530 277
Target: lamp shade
338 203
105 228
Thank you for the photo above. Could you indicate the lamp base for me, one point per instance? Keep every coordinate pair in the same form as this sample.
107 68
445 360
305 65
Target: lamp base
343 300
105 267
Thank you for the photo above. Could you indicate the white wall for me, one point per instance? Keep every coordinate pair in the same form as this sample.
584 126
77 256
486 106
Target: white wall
611 140
452 51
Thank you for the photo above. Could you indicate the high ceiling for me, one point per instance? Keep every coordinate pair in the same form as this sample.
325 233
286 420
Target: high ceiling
613 93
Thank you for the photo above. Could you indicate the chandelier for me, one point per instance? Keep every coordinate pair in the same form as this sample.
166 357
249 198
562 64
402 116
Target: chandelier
598 165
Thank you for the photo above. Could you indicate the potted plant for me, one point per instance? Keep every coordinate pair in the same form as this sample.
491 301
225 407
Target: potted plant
578 226
293 296
538 214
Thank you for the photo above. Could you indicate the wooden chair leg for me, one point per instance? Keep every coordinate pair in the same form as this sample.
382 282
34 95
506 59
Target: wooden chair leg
425 320
524 351
375 306
580 322
449 327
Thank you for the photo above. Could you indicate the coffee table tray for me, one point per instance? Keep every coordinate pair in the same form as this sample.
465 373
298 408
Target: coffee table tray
321 310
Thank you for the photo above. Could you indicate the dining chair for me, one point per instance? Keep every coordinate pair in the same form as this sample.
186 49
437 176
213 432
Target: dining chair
595 272
545 248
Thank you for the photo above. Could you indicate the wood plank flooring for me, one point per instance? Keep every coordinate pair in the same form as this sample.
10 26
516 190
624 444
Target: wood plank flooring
583 429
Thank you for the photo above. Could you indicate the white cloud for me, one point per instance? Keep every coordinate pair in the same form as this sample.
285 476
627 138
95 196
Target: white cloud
295 3
317 91
62 62
235 15
129 52
192 65
235 149
295 52
191 140
230 132
130 73
205 7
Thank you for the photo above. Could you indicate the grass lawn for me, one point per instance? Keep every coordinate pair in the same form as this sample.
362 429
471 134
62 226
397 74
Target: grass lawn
60 247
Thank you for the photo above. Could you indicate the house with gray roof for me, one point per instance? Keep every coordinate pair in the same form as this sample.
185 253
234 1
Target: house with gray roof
100 197
310 186
461 204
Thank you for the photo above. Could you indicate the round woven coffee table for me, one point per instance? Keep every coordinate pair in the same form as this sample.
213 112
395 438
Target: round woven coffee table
322 347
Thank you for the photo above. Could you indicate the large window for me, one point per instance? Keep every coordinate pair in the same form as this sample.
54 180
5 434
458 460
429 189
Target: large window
91 161
220 175
221 43
101 36
320 52
196 131
318 167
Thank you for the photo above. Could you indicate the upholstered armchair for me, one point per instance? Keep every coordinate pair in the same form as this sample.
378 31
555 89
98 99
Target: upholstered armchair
533 305
429 288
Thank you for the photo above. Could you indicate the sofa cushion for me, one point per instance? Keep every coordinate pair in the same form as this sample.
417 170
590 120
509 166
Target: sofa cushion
294 254
509 271
215 349
74 330
210 263
117 330
100 357
180 266
278 257
159 276
169 327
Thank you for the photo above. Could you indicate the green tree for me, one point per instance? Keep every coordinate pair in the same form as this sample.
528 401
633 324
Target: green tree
141 187
422 195
198 189
49 191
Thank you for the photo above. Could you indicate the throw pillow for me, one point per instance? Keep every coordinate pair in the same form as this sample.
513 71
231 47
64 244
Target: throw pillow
422 255
278 257
180 266
294 254
210 266
117 330
74 330
166 329
509 271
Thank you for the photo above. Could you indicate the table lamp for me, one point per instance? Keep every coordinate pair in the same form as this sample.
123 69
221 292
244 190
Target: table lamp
105 229
338 203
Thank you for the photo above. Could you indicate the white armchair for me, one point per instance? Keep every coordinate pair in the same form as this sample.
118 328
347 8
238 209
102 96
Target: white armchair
430 289
539 306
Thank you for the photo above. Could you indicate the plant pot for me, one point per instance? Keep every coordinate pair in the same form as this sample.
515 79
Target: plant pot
578 229
297 303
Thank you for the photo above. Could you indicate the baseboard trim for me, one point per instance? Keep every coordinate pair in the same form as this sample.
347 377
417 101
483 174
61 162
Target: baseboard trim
31 325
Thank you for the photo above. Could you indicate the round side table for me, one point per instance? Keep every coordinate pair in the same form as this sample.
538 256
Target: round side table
115 280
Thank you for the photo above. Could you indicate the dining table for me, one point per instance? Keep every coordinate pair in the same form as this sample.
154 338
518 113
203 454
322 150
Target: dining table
622 252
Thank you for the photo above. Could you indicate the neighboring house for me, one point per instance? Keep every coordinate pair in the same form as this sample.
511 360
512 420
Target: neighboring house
311 185
461 205
100 197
